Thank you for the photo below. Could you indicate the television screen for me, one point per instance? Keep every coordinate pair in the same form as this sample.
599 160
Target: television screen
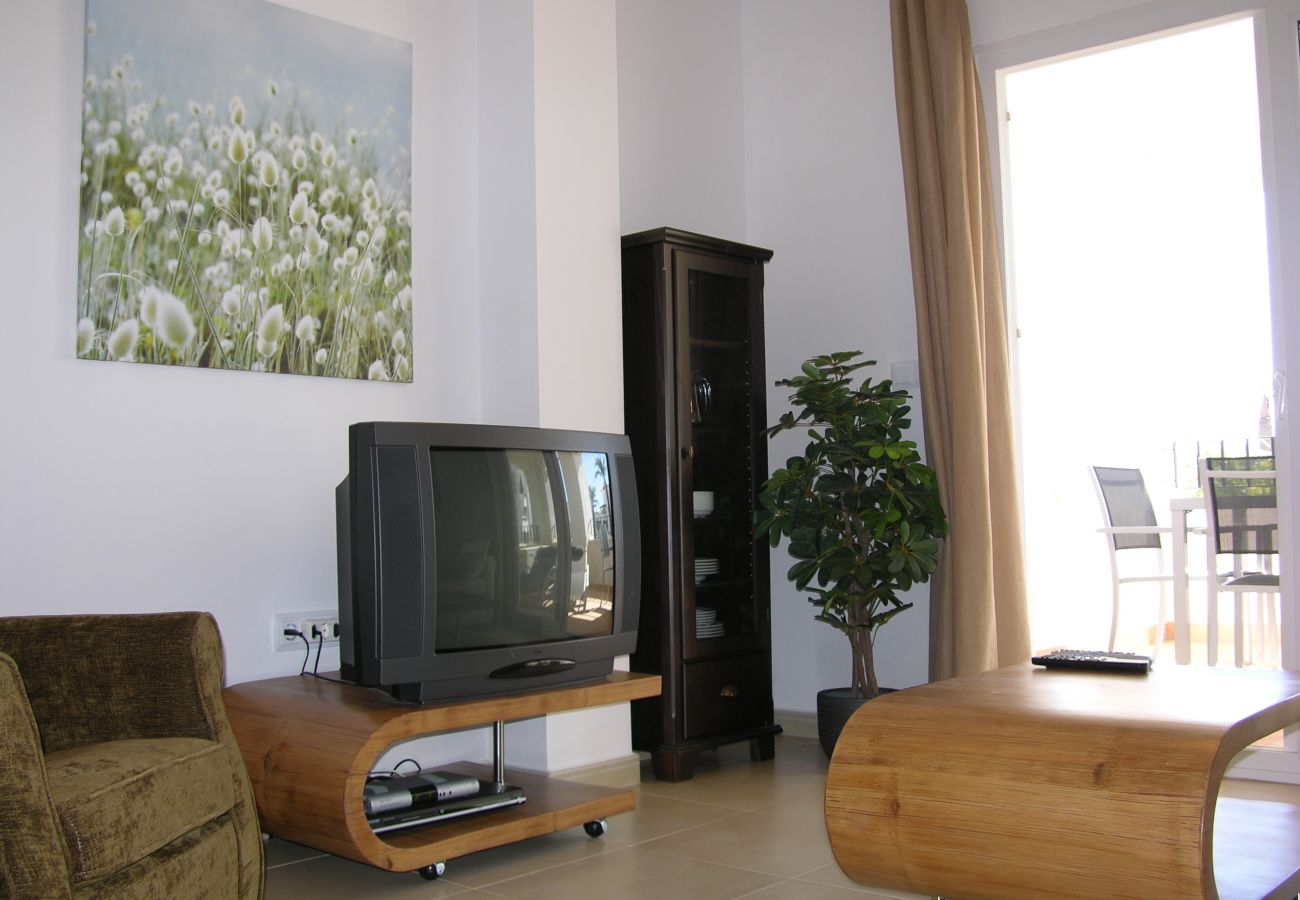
478 559
525 546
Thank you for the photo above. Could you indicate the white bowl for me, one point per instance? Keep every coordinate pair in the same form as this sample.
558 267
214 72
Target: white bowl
702 503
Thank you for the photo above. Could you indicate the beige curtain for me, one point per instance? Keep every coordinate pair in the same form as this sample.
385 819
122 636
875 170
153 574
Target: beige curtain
978 615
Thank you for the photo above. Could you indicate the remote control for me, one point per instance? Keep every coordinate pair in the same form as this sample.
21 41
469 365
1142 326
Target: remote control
1095 661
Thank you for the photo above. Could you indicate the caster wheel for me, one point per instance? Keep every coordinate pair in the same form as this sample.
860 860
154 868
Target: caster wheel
596 828
432 872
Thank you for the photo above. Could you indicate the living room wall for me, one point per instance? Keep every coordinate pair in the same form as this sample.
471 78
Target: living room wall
138 488
135 487
773 123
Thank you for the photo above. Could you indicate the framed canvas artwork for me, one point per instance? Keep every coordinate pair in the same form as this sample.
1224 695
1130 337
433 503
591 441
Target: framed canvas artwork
245 191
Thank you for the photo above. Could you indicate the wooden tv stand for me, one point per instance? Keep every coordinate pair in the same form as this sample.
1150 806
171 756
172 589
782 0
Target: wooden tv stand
1023 782
309 744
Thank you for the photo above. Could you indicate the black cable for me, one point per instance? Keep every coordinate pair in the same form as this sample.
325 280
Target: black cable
294 632
383 774
335 680
314 673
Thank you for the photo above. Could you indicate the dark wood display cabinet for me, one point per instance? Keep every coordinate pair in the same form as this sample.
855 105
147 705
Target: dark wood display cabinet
695 410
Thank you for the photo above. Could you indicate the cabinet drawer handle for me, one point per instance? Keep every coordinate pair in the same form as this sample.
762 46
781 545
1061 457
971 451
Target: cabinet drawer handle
688 452
729 691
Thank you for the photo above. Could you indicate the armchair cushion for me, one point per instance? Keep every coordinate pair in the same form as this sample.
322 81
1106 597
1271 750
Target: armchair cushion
202 865
100 790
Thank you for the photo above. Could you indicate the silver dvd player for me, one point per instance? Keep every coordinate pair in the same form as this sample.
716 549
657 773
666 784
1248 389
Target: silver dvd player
491 795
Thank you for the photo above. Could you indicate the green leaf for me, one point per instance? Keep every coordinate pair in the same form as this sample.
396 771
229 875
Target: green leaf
802 572
883 617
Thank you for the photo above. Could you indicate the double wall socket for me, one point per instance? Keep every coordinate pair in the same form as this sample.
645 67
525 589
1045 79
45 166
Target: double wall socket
314 622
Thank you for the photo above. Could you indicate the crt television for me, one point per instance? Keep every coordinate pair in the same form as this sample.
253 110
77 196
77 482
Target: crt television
478 559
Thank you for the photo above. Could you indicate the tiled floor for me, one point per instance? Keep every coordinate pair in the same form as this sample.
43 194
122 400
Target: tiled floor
737 829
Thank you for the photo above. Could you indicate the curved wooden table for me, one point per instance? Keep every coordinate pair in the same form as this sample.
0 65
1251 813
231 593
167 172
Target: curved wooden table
1027 783
309 744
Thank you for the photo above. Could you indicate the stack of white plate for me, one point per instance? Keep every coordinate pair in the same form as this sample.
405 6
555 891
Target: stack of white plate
706 623
704 567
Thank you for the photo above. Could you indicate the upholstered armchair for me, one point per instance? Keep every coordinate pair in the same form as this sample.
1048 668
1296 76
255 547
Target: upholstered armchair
119 773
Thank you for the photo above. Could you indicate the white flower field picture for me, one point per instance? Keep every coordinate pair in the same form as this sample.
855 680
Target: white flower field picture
245 191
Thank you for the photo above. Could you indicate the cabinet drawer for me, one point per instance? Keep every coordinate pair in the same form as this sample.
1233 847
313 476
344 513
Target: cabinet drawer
726 694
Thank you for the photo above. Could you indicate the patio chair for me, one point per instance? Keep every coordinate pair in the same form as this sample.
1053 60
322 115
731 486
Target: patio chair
1130 525
1241 513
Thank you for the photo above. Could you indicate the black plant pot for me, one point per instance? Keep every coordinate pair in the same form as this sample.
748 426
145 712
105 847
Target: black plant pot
834 707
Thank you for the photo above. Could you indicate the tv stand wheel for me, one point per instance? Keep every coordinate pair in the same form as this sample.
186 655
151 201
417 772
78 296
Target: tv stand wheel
433 871
596 828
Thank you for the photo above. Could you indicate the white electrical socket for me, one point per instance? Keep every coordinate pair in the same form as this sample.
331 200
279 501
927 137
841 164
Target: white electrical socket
327 620
321 627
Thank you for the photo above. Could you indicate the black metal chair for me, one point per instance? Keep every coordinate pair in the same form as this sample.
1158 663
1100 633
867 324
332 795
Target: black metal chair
1241 514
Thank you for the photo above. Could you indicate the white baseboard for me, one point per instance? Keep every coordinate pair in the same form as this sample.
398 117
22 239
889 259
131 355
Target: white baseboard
796 723
1266 764
620 772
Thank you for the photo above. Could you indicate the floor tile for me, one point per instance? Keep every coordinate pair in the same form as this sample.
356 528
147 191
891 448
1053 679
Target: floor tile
283 853
831 878
807 806
743 787
635 873
653 817
805 890
753 841
333 876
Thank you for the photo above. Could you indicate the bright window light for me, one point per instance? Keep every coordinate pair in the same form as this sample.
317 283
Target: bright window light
1139 285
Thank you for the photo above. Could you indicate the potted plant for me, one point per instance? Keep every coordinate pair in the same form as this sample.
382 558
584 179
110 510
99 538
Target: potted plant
861 510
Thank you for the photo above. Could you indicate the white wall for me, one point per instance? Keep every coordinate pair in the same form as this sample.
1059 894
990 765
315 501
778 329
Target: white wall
134 488
822 189
508 212
579 287
998 20
681 126
825 190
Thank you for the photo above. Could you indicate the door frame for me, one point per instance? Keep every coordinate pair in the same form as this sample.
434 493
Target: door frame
1278 75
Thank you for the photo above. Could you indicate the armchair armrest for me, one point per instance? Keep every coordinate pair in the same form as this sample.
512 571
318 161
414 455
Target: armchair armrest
35 858
106 677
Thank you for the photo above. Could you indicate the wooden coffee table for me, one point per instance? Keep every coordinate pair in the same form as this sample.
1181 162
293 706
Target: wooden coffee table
1024 782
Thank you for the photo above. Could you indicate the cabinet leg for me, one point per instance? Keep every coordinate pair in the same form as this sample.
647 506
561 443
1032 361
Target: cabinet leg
670 766
762 748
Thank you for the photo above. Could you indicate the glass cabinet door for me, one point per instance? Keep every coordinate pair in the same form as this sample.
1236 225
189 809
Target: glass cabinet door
719 421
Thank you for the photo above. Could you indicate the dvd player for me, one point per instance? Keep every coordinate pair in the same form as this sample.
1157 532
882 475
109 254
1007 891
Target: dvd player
491 795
